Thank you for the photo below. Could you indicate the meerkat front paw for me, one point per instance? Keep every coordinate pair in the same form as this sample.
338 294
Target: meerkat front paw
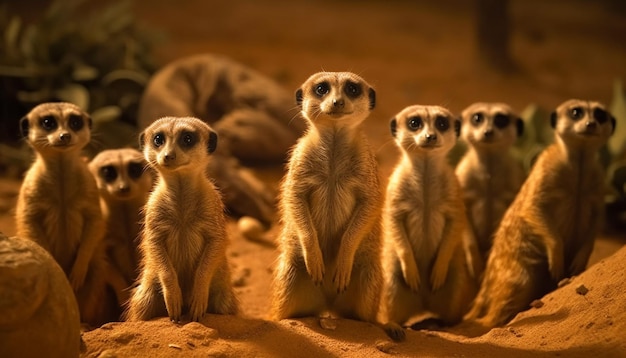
556 266
77 276
410 274
343 271
198 304
315 265
439 274
173 302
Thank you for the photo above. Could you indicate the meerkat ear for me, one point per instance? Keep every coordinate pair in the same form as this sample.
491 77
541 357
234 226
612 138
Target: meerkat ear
613 124
24 126
372 97
393 125
299 96
212 145
553 119
457 127
142 136
520 127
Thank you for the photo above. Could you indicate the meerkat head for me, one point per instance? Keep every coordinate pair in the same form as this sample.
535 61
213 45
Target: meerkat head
121 174
342 98
176 143
582 121
56 127
490 125
425 129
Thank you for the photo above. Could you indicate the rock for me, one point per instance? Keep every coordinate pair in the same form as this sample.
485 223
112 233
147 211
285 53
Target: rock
38 311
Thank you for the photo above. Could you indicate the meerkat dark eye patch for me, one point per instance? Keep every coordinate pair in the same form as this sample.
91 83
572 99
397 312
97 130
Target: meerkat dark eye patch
187 139
576 113
158 139
477 118
442 123
321 89
501 120
352 90
48 123
108 173
600 115
76 122
415 123
135 170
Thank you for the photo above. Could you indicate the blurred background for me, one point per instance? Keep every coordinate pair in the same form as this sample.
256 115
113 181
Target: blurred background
532 55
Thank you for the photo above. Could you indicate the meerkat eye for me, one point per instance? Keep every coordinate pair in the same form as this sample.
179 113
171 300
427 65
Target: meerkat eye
352 89
477 118
442 123
322 89
158 139
576 113
188 139
501 120
108 173
76 122
600 115
48 123
415 123
135 170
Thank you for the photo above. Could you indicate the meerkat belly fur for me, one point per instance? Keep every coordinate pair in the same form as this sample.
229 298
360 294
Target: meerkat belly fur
548 231
184 267
423 221
124 183
331 204
58 205
489 174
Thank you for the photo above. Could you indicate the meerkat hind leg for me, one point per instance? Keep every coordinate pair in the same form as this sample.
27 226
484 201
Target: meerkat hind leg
296 295
222 299
146 302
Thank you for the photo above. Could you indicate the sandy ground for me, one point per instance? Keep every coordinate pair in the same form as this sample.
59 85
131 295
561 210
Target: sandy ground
412 53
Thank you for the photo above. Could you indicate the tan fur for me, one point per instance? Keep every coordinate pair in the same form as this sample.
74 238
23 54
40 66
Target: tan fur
124 187
489 174
423 220
331 202
58 202
548 232
184 265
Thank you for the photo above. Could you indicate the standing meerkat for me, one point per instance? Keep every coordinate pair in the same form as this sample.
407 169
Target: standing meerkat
423 220
548 231
124 185
489 174
184 267
58 205
331 202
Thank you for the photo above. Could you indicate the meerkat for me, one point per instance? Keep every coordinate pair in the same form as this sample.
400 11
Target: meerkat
548 232
489 174
184 269
329 260
423 221
124 183
58 205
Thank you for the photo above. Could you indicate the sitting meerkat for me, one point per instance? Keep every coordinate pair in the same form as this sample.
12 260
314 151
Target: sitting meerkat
423 221
184 267
489 174
58 205
330 245
548 232
124 185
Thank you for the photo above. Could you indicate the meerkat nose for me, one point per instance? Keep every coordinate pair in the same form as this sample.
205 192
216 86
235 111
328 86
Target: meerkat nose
430 137
591 124
123 188
65 137
338 102
170 156
488 133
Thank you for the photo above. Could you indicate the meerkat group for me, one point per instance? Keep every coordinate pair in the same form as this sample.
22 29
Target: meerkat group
150 225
